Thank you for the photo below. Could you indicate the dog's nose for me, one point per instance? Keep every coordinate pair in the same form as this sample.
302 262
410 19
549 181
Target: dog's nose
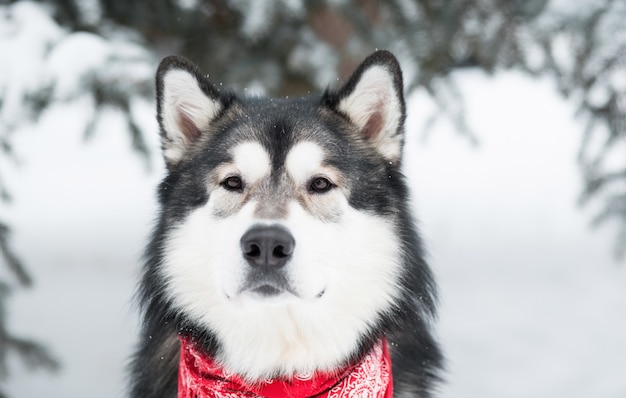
267 246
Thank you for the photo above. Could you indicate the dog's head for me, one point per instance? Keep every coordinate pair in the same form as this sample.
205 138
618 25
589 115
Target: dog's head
280 219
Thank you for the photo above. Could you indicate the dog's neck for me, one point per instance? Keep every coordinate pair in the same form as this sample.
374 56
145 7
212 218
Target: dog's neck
200 376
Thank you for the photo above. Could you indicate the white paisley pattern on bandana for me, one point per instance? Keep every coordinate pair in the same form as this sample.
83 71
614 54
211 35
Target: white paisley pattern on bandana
201 377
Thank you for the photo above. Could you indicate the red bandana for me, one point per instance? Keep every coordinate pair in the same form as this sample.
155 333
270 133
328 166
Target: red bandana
199 376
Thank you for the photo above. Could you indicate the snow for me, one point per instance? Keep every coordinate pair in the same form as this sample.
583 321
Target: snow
70 71
74 202
27 33
532 304
46 58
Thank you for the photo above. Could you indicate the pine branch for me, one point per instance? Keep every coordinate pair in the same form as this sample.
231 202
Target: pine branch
11 260
32 354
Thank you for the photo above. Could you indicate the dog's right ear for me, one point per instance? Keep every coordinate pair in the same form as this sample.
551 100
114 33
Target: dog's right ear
187 103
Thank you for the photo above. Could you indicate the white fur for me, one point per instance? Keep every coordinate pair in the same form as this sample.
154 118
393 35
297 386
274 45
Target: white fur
356 271
304 160
375 92
343 274
252 161
183 97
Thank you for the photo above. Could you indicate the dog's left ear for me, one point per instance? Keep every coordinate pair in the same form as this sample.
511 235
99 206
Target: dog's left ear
373 100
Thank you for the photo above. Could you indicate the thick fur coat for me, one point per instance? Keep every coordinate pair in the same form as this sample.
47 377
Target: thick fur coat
284 241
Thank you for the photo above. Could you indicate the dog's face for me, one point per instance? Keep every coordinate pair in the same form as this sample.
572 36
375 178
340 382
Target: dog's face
281 215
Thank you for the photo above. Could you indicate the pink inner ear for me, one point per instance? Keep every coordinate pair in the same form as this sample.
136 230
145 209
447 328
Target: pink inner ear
373 126
187 127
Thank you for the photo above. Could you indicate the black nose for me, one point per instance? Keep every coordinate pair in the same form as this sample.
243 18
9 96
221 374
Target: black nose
267 246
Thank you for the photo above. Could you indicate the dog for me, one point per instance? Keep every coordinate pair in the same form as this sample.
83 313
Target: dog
285 261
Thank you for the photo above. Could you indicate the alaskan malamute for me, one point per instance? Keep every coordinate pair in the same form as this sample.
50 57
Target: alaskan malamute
285 261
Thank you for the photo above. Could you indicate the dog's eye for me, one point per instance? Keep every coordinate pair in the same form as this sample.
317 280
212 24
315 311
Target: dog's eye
320 185
233 183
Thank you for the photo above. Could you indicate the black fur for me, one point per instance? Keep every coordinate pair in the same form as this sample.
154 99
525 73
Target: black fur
279 123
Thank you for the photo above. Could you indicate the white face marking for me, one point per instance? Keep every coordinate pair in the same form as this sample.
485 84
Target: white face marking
252 161
304 160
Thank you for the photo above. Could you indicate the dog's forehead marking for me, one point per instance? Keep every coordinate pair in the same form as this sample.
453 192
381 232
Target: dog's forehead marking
252 160
303 160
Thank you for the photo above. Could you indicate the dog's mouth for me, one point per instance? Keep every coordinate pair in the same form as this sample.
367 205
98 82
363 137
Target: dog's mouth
267 290
267 285
271 286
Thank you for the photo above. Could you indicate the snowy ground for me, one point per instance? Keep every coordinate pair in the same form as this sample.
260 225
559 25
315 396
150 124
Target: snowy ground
532 303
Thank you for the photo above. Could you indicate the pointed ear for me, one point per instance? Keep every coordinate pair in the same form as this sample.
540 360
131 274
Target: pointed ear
373 100
187 103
